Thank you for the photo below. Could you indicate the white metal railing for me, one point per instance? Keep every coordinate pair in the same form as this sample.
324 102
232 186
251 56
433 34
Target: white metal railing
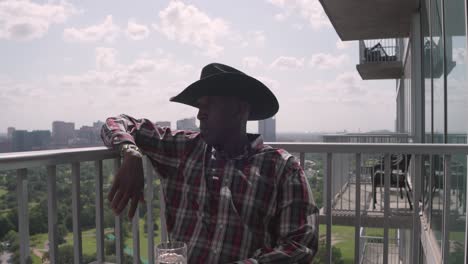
380 50
52 158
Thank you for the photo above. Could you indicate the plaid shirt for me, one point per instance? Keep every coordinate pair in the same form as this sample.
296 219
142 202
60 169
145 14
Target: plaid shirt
255 208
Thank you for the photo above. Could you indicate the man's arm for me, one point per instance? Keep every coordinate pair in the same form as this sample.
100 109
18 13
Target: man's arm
296 222
162 146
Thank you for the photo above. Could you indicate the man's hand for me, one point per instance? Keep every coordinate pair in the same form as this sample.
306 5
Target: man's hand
128 184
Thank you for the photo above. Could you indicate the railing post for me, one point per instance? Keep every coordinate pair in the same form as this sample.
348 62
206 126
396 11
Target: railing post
387 177
23 215
98 177
357 222
136 236
416 218
52 213
328 207
446 211
77 252
148 171
118 225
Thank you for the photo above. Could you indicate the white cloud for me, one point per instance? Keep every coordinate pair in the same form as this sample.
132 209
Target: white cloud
459 55
257 37
25 20
189 25
105 31
109 72
136 31
342 45
310 10
287 63
347 88
328 61
252 62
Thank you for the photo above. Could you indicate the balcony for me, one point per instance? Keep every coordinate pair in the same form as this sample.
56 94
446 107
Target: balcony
348 198
380 59
370 19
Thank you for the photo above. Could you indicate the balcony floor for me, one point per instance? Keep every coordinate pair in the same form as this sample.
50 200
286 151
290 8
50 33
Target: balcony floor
343 212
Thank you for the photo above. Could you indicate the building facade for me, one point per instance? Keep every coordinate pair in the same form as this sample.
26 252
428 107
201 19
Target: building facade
424 48
187 124
267 128
62 132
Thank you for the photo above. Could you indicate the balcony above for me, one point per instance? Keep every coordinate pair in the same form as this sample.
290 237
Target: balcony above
380 59
370 19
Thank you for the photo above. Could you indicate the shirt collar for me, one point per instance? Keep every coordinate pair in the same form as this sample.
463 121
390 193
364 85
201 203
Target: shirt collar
256 143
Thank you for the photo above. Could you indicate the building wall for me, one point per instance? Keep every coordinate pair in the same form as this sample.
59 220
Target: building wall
446 105
444 87
267 128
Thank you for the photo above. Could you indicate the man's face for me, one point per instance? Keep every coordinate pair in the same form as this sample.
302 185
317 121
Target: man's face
219 118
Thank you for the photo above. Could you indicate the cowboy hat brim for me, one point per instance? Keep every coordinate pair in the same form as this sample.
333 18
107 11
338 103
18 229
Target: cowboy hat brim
263 103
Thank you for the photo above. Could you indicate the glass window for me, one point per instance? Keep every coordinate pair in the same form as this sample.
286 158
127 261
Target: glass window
457 123
437 70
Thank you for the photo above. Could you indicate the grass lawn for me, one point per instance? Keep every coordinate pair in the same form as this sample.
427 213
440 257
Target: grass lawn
35 259
343 238
88 240
143 240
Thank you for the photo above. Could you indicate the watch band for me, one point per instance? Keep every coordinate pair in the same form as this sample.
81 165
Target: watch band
129 147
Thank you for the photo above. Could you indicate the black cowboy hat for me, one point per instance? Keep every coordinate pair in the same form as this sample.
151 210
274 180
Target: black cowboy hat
221 80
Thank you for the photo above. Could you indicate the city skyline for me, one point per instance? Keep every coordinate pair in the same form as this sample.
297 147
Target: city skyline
110 58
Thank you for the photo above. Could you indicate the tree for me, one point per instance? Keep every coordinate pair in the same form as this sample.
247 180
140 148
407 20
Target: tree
5 226
322 251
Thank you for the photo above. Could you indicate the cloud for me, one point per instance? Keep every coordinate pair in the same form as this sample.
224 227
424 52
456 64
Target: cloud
189 25
136 31
348 88
326 61
459 55
109 72
256 37
252 62
310 10
105 31
25 20
342 45
287 63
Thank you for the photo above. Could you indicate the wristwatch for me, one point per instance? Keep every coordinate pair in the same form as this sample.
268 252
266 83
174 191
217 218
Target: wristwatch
129 148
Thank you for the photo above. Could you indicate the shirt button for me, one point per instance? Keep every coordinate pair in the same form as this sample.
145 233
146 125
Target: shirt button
221 226
215 251
213 170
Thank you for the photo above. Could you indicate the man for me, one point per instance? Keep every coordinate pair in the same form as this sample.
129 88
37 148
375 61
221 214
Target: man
228 196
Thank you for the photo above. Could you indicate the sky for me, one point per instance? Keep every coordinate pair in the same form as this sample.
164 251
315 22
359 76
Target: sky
83 61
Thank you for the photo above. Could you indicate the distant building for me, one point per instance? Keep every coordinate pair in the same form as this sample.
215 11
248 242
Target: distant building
98 125
187 124
10 131
62 132
163 123
23 140
267 128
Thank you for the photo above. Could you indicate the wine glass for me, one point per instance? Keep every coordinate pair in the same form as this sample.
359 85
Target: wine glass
171 252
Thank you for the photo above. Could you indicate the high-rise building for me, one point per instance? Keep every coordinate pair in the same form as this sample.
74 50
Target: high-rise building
23 140
98 125
163 123
187 124
20 140
10 131
422 45
267 128
62 132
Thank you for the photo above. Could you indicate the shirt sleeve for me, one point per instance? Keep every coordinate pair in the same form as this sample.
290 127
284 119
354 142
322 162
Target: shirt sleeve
296 222
160 144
